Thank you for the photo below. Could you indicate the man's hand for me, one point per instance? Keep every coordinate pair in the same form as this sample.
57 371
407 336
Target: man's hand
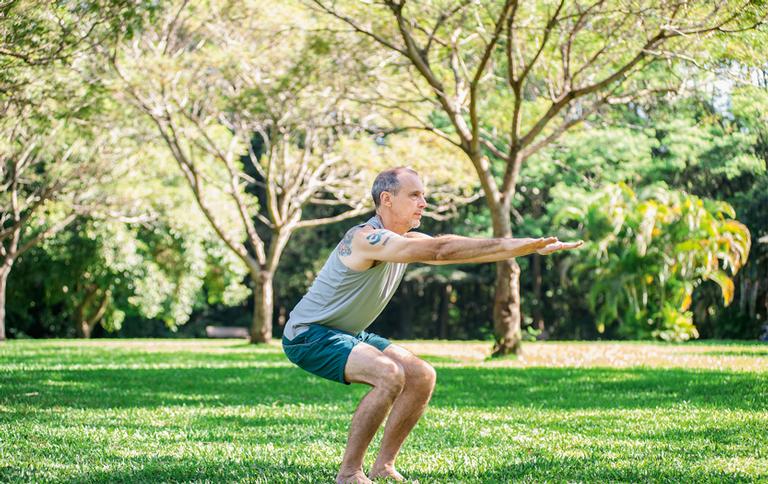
557 245
525 246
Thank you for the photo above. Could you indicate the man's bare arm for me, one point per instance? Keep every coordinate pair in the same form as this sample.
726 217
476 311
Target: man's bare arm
384 245
548 249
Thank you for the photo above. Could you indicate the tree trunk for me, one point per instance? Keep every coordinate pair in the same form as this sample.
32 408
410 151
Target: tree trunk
445 304
406 321
507 317
538 317
5 270
743 293
263 301
753 299
88 324
82 329
506 309
85 330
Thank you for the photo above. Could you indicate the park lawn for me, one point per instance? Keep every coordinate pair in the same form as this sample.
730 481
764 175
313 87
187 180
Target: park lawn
224 411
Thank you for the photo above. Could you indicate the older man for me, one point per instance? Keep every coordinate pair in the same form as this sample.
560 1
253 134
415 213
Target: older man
326 335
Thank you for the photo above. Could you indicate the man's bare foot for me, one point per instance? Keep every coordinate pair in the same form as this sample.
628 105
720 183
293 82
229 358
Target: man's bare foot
357 477
386 472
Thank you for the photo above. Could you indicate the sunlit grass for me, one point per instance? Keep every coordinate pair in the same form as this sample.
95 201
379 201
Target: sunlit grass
202 410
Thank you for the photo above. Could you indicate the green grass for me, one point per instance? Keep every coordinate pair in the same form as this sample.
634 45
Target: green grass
224 411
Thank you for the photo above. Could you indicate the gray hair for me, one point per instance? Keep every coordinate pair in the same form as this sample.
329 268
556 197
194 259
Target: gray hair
387 181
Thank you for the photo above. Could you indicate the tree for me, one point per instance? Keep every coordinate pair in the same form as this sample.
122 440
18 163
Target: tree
509 78
39 94
49 169
268 134
139 254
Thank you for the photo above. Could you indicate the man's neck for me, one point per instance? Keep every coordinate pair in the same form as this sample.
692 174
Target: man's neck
389 223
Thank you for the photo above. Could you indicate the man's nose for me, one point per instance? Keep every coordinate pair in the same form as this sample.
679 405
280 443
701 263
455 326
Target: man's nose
422 202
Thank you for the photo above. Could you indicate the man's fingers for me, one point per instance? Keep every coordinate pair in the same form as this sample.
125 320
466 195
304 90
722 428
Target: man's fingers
546 241
572 245
554 247
540 243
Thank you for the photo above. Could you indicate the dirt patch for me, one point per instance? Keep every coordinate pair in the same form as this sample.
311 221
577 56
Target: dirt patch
604 354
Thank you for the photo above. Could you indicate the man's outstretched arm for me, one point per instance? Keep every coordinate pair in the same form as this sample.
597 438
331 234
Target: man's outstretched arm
554 246
385 245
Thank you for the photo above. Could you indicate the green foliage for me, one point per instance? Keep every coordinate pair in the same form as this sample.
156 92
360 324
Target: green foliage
248 65
646 252
139 253
704 155
152 271
37 35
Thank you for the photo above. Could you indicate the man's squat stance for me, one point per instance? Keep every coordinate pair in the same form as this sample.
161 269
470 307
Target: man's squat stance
325 333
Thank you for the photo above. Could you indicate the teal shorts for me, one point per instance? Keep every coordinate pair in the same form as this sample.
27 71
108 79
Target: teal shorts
324 351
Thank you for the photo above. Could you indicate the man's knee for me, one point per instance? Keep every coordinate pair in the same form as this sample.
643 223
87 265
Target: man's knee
423 375
392 377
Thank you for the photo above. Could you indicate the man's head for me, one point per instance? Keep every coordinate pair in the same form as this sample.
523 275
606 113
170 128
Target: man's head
399 197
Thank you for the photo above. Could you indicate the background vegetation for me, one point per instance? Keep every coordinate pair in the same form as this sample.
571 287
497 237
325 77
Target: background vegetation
170 167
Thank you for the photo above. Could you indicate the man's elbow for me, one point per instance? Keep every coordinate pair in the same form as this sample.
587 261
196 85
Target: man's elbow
430 252
441 251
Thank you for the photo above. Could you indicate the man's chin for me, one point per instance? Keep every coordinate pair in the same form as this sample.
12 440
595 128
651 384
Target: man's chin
415 223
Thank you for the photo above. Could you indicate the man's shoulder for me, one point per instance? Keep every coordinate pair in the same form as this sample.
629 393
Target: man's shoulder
359 231
367 235
345 246
416 235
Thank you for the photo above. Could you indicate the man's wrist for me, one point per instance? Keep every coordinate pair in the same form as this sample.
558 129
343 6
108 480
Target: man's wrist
516 247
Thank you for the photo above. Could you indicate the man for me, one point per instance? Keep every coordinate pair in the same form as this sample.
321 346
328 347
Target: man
325 332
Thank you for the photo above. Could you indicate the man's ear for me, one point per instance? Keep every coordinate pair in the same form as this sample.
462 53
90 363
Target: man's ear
386 199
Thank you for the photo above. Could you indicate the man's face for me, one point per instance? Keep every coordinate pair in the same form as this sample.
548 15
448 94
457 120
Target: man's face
409 203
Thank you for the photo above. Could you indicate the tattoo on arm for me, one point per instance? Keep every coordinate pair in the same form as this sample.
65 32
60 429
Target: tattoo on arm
345 246
379 236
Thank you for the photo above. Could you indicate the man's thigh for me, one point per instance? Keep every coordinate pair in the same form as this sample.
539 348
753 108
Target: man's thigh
402 355
366 364
412 364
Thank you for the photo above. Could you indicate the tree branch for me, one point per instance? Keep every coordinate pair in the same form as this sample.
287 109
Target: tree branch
356 27
44 235
337 218
508 5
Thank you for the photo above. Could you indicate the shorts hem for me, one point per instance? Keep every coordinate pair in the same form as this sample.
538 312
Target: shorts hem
344 366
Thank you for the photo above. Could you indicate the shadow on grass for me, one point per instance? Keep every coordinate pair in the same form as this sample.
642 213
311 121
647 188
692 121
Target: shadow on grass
534 468
477 387
600 388
747 353
152 469
64 355
747 432
573 469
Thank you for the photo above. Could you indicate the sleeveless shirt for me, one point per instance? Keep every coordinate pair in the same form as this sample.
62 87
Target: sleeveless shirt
343 298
